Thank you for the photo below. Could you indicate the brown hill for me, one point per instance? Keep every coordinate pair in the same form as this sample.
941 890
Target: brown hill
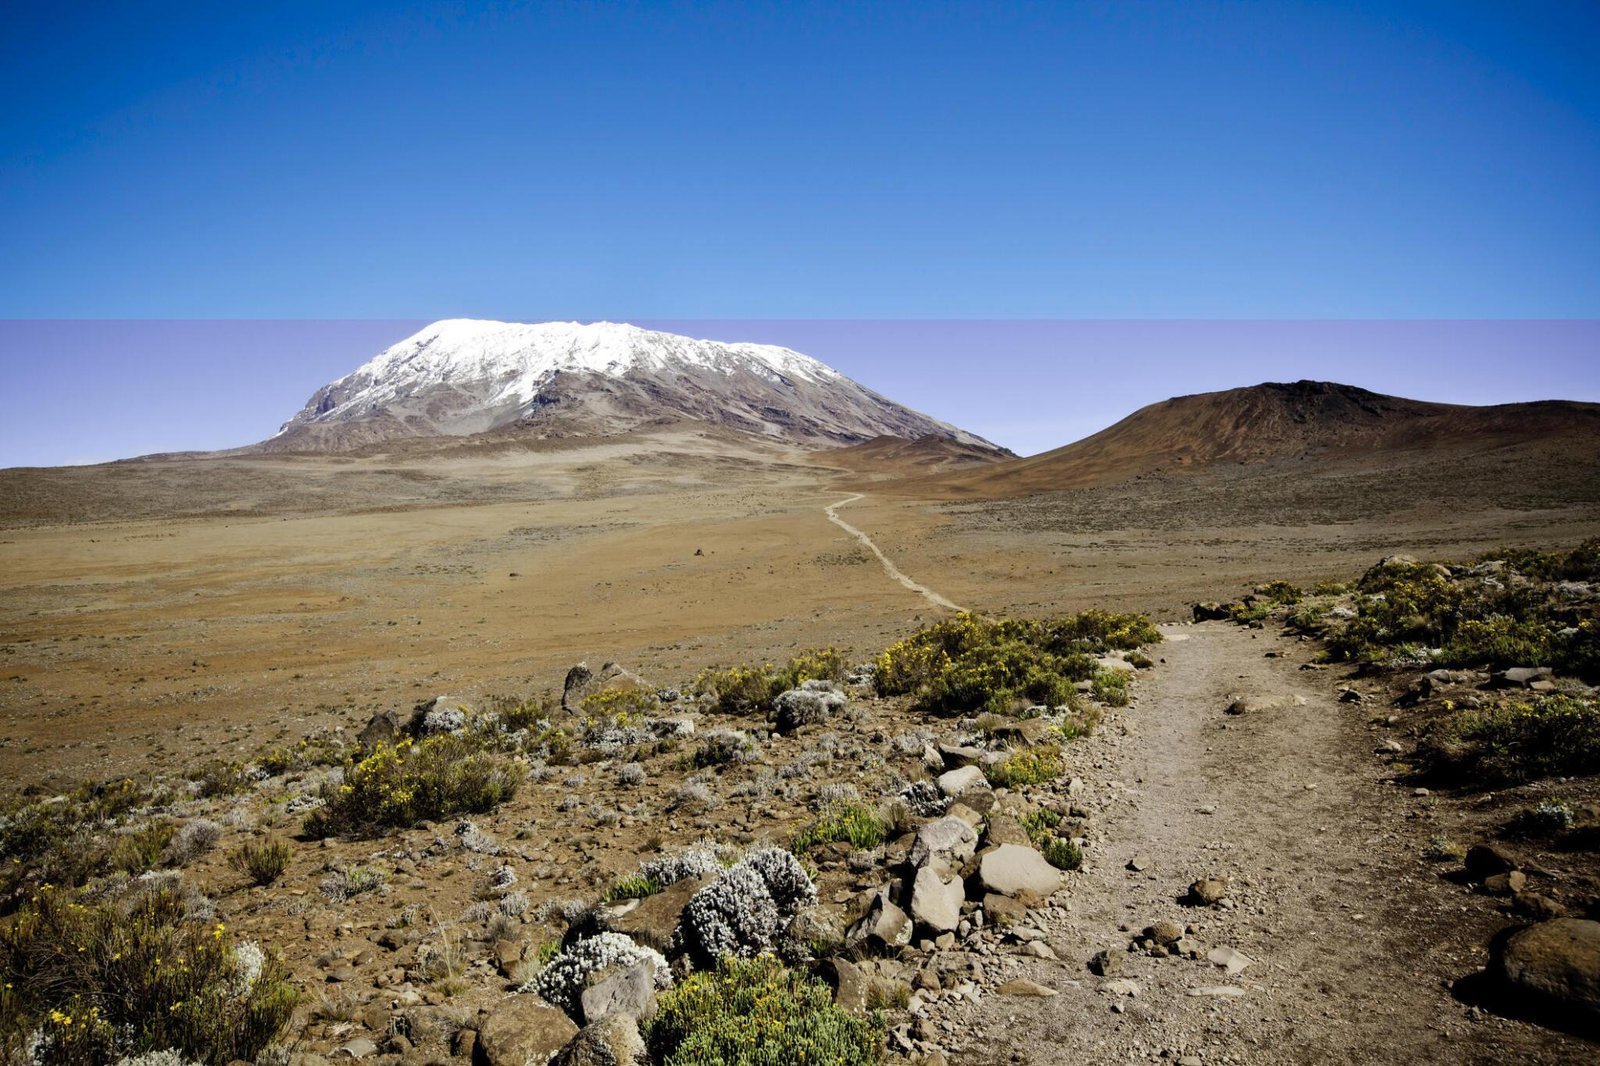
1312 421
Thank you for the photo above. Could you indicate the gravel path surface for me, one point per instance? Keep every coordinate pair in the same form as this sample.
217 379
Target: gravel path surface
1353 940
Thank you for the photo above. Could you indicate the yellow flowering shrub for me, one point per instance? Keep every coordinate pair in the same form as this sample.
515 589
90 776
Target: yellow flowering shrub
408 782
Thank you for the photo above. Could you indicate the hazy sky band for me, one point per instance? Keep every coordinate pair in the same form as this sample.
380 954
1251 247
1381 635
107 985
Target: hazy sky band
94 390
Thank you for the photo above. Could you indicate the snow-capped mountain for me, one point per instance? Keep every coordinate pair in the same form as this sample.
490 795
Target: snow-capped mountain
462 376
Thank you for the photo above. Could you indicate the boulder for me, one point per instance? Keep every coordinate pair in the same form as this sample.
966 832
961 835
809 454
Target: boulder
520 1030
1213 612
614 1040
442 714
1520 676
382 728
850 985
581 682
654 921
630 991
1555 964
965 780
1004 829
1014 870
1486 860
1003 911
883 926
936 901
948 842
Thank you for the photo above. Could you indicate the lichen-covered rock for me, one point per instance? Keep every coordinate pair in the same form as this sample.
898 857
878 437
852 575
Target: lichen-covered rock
630 990
613 1040
522 1030
947 842
442 714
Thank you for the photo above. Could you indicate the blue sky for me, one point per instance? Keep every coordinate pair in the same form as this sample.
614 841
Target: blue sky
673 161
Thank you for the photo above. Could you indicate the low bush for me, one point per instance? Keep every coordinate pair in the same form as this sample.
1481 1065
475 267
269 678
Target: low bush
1033 766
1283 593
141 849
758 1013
1518 741
1110 687
969 664
748 909
1059 852
722 746
743 689
562 981
263 862
88 984
852 822
399 786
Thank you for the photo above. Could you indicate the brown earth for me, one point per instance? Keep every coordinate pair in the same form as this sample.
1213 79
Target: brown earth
246 598
154 614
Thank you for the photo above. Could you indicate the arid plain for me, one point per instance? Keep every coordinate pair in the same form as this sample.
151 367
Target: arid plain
202 605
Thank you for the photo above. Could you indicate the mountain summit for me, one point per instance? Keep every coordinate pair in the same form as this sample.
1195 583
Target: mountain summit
566 379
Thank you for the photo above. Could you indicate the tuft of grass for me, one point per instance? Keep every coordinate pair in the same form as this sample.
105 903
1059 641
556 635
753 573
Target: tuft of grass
263 862
634 886
1034 766
97 982
399 786
140 850
853 822
756 1012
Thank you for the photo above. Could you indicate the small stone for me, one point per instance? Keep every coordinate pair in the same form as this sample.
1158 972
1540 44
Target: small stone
1106 963
1223 991
1208 891
1122 986
1139 863
1229 959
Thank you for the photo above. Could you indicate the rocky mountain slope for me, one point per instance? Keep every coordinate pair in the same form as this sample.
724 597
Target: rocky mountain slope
565 379
1318 421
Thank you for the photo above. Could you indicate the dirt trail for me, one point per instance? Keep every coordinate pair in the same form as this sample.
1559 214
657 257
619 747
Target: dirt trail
1350 931
888 567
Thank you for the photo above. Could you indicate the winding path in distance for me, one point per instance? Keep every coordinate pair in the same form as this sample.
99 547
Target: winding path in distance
888 567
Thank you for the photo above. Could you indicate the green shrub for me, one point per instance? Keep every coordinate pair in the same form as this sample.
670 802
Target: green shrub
1330 588
967 663
757 1013
140 850
98 982
1254 611
1283 593
1580 564
399 786
854 822
1111 687
1061 853
743 689
1034 766
263 862
219 777
1519 741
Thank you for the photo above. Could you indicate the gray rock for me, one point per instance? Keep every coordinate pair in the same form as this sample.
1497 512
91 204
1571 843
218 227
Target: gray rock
944 842
630 991
1221 991
1014 870
382 728
1106 963
884 924
936 901
1555 964
1520 676
963 781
